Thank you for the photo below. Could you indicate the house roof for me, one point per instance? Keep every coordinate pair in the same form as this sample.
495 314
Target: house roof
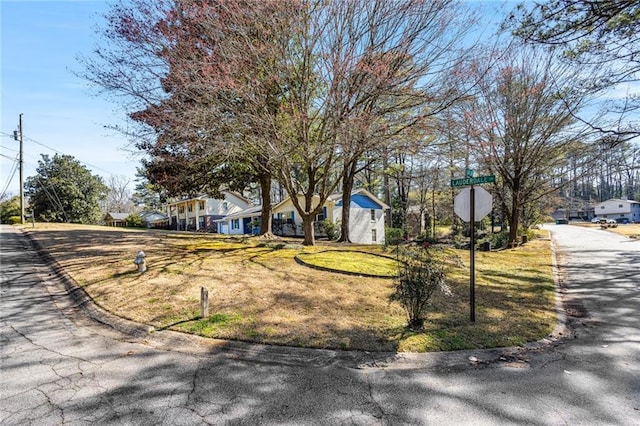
116 216
250 212
206 197
619 200
362 198
366 200
153 217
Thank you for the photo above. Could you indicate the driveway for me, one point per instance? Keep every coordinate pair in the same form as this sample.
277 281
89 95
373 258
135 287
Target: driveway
61 367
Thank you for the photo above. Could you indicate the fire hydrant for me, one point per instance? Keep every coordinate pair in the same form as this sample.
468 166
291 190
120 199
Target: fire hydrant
139 260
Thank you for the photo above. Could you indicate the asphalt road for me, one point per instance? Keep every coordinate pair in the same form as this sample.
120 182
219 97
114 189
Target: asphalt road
59 366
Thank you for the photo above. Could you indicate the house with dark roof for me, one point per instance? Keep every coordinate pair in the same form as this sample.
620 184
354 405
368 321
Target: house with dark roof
115 219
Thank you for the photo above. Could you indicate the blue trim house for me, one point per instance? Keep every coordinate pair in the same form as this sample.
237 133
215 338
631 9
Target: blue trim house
366 218
202 212
243 222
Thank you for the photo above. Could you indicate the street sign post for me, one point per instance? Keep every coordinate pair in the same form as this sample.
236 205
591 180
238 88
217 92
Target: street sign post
472 204
455 183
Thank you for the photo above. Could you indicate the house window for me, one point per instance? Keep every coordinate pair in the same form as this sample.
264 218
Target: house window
190 207
181 209
322 216
619 206
235 224
374 235
601 207
225 206
373 215
201 205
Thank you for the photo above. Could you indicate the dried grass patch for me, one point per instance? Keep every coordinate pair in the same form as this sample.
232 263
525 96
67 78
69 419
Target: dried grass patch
259 293
631 230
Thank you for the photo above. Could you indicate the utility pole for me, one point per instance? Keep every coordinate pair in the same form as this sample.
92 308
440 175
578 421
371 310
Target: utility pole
17 135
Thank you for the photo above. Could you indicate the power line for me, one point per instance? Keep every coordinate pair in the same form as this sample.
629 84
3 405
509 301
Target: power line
55 203
6 156
12 173
8 148
26 138
62 153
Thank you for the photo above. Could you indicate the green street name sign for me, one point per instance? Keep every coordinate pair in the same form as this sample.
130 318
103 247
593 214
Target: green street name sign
473 181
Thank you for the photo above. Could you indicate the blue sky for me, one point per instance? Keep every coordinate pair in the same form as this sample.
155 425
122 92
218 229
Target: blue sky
40 43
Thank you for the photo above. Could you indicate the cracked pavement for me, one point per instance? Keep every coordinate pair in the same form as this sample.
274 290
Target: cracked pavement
64 361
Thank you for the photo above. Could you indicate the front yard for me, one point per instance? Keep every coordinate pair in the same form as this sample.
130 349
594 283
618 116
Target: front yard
258 292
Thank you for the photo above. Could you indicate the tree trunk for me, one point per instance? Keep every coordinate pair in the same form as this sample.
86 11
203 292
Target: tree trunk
347 186
307 226
514 219
345 218
266 228
386 189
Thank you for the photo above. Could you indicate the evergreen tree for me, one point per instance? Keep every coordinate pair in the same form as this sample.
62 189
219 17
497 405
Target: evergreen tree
65 191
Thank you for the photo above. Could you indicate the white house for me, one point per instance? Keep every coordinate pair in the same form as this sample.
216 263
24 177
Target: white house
366 218
618 209
200 213
243 222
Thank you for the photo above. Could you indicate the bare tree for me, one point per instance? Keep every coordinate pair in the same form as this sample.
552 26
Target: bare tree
523 125
119 195
297 89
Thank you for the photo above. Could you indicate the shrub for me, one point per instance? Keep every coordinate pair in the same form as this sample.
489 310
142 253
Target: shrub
135 221
530 233
12 220
331 229
420 275
393 236
497 240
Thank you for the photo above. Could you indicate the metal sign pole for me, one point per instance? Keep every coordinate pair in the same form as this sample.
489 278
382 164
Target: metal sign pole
467 212
472 284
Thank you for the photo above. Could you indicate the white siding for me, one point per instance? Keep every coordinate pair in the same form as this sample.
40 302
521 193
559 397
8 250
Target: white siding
616 208
361 225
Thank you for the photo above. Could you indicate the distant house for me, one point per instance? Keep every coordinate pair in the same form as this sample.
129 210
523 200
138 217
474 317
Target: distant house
155 220
115 219
618 209
202 212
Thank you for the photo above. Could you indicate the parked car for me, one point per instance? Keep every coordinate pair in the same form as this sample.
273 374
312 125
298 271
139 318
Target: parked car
608 223
595 220
622 220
